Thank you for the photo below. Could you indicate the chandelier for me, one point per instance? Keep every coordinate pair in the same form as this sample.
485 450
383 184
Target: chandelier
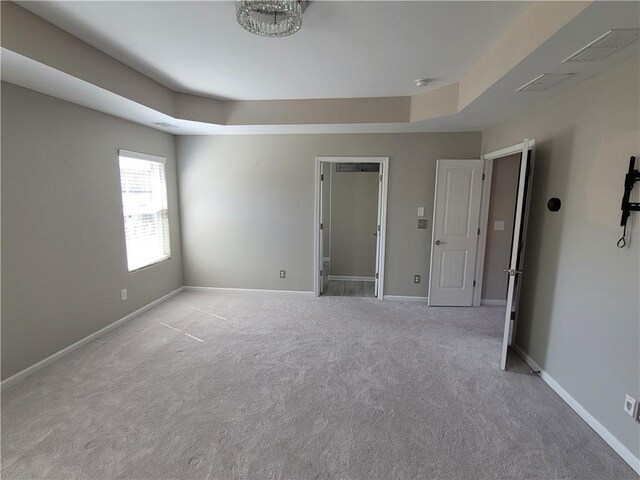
270 18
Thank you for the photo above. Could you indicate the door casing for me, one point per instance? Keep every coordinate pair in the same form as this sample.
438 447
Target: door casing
382 214
484 211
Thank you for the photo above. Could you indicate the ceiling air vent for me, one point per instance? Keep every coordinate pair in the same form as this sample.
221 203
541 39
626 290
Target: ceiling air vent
543 82
605 45
163 124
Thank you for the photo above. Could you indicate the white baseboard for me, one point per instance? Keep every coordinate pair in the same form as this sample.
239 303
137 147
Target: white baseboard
90 338
607 436
248 290
407 298
352 278
490 301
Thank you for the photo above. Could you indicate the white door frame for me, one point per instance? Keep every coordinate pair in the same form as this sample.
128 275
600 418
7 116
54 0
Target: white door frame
484 210
384 186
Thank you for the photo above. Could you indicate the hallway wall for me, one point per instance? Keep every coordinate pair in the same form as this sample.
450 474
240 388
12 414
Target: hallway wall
354 217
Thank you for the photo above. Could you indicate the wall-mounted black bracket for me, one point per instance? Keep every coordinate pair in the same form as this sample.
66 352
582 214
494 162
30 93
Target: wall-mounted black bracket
630 179
627 207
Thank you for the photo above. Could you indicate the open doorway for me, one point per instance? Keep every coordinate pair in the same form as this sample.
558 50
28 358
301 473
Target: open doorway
503 223
350 226
499 233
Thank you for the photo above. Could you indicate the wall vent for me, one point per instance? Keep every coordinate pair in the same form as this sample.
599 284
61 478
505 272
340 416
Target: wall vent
604 45
163 124
357 167
543 82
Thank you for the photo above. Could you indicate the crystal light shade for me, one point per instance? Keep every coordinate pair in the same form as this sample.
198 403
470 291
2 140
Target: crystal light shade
270 18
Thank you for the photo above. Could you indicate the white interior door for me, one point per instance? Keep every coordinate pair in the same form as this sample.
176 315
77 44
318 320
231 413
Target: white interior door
515 269
378 232
455 232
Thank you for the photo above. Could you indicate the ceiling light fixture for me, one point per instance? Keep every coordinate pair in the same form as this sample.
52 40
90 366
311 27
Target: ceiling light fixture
422 82
270 18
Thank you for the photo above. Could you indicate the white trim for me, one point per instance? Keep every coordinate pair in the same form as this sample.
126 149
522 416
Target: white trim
141 156
508 151
407 298
352 159
90 338
491 301
351 278
382 238
607 436
247 290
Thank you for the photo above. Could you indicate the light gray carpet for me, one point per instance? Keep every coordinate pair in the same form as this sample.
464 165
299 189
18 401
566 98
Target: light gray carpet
294 387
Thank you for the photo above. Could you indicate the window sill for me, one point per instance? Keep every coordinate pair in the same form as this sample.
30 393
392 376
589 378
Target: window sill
163 260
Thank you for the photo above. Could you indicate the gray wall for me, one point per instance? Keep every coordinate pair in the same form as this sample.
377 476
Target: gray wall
580 311
247 204
502 205
354 218
63 248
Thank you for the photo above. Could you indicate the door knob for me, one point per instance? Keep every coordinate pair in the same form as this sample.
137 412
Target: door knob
513 271
438 242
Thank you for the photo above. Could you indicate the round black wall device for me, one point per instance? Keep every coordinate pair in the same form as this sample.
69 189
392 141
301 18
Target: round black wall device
554 204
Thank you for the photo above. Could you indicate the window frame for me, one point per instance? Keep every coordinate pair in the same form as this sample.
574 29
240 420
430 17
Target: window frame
148 158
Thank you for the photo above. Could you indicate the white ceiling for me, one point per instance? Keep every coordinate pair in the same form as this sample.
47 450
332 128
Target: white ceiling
344 49
496 104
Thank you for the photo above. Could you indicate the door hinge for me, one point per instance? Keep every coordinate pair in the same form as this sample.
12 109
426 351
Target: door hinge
380 177
478 231
378 227
321 273
377 275
483 176
322 178
321 226
474 282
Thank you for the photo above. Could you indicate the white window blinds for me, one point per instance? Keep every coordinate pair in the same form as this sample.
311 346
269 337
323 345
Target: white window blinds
144 204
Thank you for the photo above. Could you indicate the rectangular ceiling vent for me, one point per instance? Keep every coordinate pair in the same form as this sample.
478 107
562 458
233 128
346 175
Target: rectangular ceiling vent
544 82
163 124
605 45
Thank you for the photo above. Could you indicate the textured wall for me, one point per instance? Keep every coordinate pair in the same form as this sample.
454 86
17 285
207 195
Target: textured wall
354 217
247 204
580 310
502 205
63 248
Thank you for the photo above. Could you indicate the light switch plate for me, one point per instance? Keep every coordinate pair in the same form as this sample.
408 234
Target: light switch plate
283 274
421 211
498 225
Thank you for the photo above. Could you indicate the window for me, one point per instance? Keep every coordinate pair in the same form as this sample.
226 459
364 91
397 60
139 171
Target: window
144 205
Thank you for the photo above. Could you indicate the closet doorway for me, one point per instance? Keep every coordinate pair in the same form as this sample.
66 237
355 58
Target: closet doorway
350 232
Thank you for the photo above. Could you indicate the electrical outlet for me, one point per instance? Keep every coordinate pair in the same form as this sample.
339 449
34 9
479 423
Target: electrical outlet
630 404
416 279
423 223
123 294
283 274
